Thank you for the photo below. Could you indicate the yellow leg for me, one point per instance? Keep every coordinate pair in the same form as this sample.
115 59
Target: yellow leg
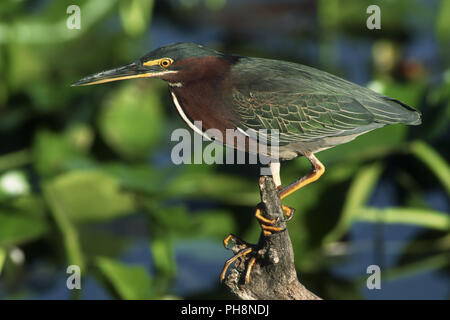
249 269
267 224
244 252
318 170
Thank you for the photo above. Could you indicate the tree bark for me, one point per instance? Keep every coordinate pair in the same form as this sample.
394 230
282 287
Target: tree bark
273 275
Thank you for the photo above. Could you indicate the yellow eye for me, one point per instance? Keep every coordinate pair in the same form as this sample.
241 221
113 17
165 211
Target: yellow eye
165 63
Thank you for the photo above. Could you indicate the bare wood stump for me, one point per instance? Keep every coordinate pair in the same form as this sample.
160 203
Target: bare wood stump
273 275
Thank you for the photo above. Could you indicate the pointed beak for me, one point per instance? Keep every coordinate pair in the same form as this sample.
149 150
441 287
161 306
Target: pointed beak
130 71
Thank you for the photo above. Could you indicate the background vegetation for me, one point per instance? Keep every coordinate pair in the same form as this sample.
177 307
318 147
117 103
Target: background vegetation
86 176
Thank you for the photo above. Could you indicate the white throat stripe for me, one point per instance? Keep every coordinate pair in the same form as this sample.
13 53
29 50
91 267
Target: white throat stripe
185 118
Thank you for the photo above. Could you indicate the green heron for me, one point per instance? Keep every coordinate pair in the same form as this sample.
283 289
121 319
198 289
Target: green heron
311 110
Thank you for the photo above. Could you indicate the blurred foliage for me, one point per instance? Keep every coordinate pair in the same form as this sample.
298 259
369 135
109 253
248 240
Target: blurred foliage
79 165
128 282
126 117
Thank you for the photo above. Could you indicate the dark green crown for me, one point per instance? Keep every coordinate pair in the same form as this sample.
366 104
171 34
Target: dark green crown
180 51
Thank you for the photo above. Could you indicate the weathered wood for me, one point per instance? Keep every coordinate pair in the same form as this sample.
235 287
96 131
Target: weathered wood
273 275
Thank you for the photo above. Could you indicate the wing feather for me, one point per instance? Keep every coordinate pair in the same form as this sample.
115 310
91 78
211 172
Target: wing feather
302 117
307 104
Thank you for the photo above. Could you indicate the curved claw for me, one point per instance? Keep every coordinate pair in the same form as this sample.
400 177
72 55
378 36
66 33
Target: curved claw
236 240
288 212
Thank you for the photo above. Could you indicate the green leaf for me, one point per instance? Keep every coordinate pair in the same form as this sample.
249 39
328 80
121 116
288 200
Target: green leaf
84 196
49 26
129 282
132 120
19 228
443 21
55 152
97 242
181 223
140 178
413 216
434 161
170 223
173 218
50 151
25 67
163 253
14 160
198 183
68 231
213 223
135 15
409 93
88 196
23 221
3 254
428 264
360 190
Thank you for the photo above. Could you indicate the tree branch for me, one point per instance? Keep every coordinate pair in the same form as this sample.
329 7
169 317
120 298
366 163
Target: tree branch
273 275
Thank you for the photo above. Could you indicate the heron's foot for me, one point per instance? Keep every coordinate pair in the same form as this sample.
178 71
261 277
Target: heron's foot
241 249
268 225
